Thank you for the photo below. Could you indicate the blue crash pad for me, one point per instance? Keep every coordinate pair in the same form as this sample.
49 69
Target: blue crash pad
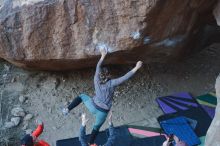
180 127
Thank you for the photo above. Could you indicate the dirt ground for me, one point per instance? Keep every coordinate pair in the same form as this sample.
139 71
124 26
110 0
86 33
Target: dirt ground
134 101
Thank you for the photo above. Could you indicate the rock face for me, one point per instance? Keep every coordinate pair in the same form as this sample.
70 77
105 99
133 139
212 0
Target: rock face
216 13
213 134
64 34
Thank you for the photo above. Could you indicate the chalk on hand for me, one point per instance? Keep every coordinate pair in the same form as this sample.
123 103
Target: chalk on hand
135 35
102 46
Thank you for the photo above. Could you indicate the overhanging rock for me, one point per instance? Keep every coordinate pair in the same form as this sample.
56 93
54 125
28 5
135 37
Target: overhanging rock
64 34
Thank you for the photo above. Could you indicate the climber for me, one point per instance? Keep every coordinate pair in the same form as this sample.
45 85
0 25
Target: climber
174 139
32 139
82 136
101 103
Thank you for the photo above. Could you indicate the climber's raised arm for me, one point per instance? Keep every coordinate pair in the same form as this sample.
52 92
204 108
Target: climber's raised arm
124 78
103 52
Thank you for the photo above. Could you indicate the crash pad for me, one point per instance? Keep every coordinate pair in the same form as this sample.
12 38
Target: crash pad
123 138
208 103
198 114
149 141
180 127
176 102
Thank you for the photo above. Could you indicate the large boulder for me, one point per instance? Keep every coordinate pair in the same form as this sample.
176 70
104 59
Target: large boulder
216 13
64 34
213 134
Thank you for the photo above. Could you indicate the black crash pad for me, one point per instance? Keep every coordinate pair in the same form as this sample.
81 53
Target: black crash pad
149 141
123 138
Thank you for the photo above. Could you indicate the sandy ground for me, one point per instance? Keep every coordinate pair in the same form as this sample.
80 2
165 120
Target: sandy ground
134 101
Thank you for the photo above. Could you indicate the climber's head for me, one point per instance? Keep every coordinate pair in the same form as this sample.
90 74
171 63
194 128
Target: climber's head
27 140
104 75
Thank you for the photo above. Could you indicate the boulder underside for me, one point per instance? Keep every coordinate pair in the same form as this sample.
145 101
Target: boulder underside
65 34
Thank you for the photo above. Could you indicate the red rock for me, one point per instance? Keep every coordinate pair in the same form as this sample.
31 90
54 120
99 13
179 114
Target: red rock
64 34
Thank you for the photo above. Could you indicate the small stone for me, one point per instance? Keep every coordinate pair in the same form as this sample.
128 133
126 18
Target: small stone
54 128
25 126
50 110
5 75
66 103
13 80
116 94
6 67
26 101
22 99
16 120
54 94
57 116
18 112
9 125
28 117
28 131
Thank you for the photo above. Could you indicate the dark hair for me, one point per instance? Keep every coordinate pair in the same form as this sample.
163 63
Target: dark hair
27 140
104 75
